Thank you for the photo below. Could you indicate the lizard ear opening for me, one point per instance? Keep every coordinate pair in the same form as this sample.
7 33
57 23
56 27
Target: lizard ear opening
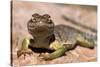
49 21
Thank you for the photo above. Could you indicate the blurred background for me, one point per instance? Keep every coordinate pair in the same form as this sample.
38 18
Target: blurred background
81 17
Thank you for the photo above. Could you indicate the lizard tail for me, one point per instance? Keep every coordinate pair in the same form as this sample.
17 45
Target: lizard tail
91 37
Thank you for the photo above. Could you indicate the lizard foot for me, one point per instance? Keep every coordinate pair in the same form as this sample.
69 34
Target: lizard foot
24 52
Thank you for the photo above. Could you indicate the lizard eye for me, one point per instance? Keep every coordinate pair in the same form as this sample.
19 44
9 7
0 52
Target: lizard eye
35 15
46 16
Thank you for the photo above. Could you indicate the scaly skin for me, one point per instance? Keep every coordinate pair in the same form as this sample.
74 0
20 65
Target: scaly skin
59 38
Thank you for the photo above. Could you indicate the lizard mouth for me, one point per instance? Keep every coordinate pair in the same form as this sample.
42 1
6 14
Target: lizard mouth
40 31
37 28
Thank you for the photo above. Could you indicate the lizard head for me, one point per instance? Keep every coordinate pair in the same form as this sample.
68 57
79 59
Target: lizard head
40 25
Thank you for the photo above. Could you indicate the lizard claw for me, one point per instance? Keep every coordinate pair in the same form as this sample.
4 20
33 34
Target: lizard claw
24 52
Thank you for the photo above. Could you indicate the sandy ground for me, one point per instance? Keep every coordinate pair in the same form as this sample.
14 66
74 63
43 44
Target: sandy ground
83 18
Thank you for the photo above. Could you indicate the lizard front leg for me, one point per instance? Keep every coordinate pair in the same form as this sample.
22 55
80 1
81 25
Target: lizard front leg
59 51
24 48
